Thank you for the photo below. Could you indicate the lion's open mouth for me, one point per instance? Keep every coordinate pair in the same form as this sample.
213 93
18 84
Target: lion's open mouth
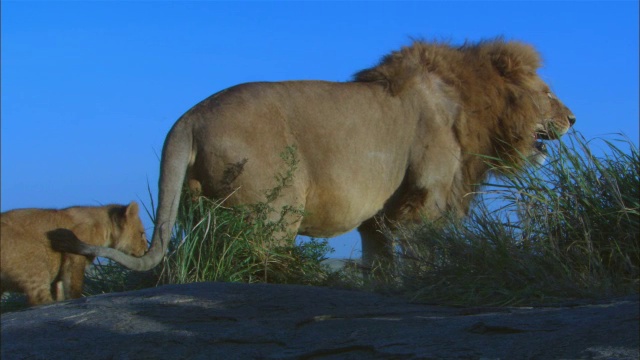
549 131
539 153
541 147
541 133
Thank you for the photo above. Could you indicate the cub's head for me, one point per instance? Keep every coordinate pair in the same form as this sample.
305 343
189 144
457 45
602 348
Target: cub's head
129 236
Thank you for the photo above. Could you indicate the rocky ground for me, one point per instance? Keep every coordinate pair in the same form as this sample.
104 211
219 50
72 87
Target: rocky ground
259 321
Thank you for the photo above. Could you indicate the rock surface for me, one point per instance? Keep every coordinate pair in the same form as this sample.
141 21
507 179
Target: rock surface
259 321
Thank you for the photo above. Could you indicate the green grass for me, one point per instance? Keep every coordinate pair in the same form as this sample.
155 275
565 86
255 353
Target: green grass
567 230
243 244
214 243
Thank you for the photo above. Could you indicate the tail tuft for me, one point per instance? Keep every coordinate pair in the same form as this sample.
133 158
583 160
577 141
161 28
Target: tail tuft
64 240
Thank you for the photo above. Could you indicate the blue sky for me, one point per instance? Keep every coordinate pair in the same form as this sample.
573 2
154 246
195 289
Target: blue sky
90 89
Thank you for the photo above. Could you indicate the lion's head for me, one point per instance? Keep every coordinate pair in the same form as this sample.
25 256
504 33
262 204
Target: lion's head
555 121
499 110
526 110
506 110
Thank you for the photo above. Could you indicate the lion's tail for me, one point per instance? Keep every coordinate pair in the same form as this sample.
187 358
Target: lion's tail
176 156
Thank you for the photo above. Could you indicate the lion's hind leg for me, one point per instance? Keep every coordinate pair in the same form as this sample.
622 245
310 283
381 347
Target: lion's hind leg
72 275
58 289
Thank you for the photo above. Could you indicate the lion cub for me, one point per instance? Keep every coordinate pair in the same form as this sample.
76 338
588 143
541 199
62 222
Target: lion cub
28 263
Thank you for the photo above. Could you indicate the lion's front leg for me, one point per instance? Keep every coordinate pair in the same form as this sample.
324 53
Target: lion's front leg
376 247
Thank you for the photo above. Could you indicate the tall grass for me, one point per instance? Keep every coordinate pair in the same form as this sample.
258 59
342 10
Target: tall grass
250 243
569 229
214 243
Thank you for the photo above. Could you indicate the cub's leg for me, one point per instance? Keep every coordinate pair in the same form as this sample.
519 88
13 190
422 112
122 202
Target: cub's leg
72 275
34 280
38 290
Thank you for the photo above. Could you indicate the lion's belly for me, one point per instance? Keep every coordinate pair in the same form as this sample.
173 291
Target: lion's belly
328 225
331 212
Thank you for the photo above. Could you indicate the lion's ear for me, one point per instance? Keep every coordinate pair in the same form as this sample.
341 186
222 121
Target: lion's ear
132 210
514 59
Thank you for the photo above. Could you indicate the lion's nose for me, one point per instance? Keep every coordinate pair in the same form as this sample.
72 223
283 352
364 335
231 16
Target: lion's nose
572 119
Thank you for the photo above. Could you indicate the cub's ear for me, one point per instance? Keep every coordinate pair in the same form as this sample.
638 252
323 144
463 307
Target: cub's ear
514 59
132 210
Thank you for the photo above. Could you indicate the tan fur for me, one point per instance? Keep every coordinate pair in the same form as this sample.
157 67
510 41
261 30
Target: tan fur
29 264
400 141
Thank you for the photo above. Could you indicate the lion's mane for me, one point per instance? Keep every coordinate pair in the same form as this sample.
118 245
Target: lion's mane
487 80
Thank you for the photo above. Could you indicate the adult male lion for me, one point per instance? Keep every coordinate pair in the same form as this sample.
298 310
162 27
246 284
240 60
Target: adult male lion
403 139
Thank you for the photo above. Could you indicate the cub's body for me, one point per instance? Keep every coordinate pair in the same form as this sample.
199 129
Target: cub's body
28 264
